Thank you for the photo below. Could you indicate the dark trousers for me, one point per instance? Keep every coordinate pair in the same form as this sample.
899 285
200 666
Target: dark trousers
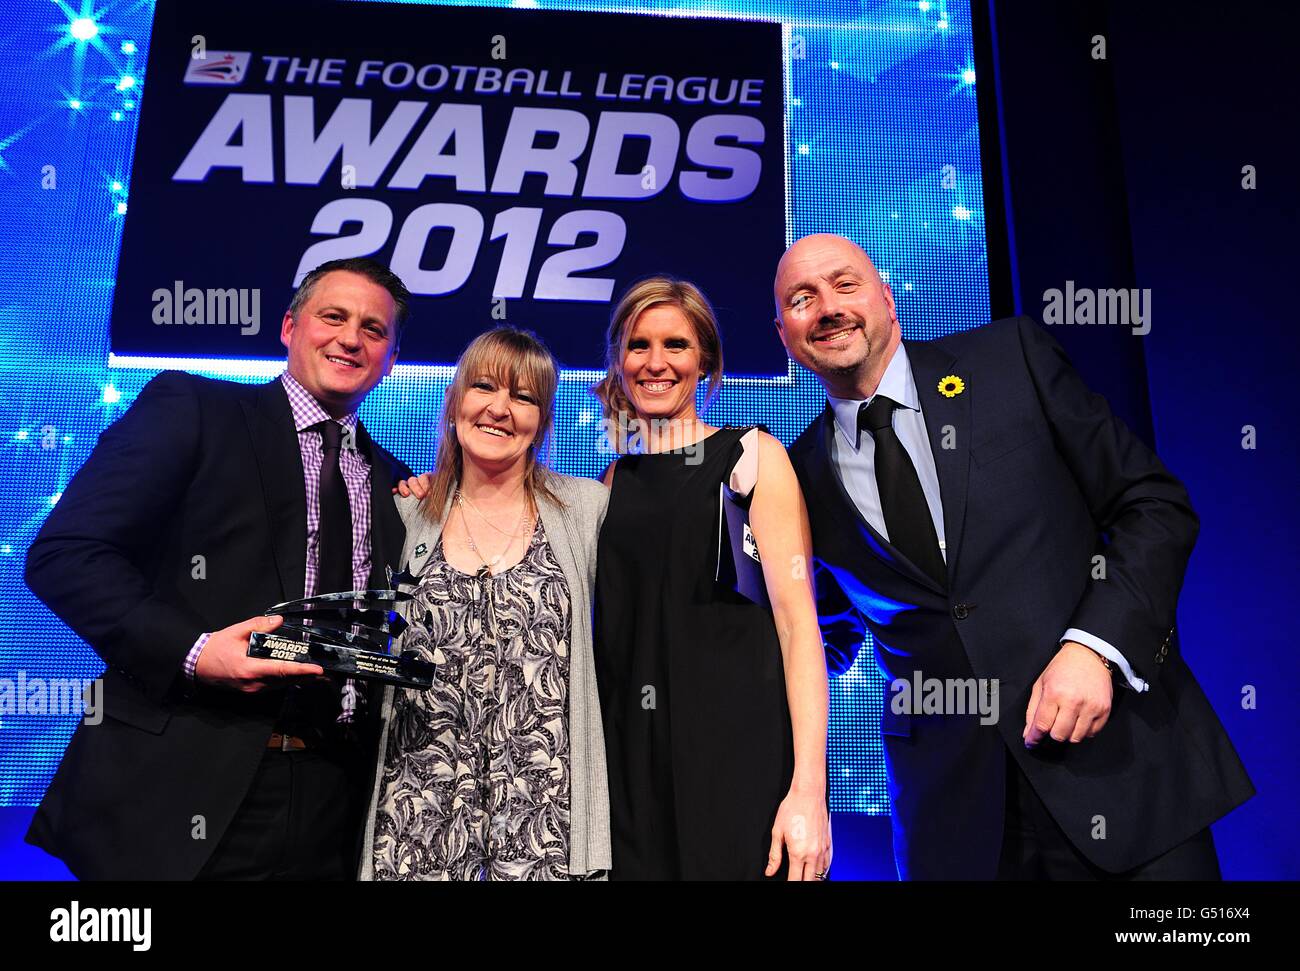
1035 848
299 821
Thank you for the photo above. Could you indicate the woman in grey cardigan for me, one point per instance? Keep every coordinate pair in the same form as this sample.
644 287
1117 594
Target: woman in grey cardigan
498 771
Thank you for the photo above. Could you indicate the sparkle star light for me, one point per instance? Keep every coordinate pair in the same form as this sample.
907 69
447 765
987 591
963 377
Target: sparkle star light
83 29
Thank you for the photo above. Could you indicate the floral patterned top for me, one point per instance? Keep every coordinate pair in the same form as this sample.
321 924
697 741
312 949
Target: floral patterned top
476 777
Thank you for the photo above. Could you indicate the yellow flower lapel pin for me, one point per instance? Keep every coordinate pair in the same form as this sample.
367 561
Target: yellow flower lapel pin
951 386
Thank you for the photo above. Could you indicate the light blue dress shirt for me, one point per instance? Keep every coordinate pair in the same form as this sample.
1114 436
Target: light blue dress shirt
853 453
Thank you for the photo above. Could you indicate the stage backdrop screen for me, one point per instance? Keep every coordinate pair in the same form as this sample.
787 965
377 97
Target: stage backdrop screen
868 128
512 165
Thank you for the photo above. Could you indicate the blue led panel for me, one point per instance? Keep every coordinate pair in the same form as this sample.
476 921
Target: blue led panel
883 147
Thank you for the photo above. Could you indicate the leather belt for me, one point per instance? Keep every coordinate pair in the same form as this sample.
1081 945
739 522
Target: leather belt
285 743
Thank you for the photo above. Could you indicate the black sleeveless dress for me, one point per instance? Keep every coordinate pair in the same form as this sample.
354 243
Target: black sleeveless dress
692 687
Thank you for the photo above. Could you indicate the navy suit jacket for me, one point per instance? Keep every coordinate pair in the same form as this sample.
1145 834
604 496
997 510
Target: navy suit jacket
1037 477
195 467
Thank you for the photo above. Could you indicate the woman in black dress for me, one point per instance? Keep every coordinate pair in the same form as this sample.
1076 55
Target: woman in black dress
714 707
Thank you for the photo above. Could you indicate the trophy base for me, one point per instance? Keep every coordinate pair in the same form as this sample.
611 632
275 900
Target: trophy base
353 662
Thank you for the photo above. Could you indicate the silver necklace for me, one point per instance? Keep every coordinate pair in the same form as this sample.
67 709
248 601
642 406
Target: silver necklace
470 502
461 500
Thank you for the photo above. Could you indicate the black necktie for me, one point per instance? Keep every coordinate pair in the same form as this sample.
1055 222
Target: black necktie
310 710
334 541
907 515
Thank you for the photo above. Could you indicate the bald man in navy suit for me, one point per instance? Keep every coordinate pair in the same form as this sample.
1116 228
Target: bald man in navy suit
988 520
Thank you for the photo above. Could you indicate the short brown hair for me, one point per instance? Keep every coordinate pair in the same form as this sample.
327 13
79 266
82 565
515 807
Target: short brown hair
372 270
513 358
655 291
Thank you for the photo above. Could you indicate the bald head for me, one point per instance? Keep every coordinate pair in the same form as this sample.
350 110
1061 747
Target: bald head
818 251
834 314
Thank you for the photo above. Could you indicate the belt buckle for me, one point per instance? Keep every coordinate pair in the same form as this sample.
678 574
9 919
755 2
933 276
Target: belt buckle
284 739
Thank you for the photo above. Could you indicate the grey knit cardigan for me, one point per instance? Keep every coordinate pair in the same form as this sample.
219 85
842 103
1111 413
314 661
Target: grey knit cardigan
572 528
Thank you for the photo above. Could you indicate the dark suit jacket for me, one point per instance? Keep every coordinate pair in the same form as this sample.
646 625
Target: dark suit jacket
1039 477
194 468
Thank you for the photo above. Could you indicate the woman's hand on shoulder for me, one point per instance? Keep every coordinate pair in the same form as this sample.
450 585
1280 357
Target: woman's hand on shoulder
416 485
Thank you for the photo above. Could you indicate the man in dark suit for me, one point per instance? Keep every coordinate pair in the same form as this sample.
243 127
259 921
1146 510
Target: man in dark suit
203 505
991 523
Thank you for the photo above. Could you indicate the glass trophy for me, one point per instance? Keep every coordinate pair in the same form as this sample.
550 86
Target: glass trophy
349 634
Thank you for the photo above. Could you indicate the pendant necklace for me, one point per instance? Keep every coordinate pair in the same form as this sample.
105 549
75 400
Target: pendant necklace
461 501
478 512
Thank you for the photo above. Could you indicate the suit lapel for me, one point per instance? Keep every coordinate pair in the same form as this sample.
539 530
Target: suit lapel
279 469
386 531
929 365
828 486
826 479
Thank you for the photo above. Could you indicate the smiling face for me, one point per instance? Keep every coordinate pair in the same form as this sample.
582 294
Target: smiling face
662 364
497 422
342 341
835 315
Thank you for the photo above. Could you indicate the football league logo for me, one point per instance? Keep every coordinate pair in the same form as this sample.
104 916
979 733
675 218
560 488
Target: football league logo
219 67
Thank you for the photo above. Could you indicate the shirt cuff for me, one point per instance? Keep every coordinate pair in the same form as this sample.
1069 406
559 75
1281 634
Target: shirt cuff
1109 653
192 658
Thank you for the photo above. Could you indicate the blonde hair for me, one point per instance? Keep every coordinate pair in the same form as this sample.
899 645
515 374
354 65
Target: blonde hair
514 359
657 291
